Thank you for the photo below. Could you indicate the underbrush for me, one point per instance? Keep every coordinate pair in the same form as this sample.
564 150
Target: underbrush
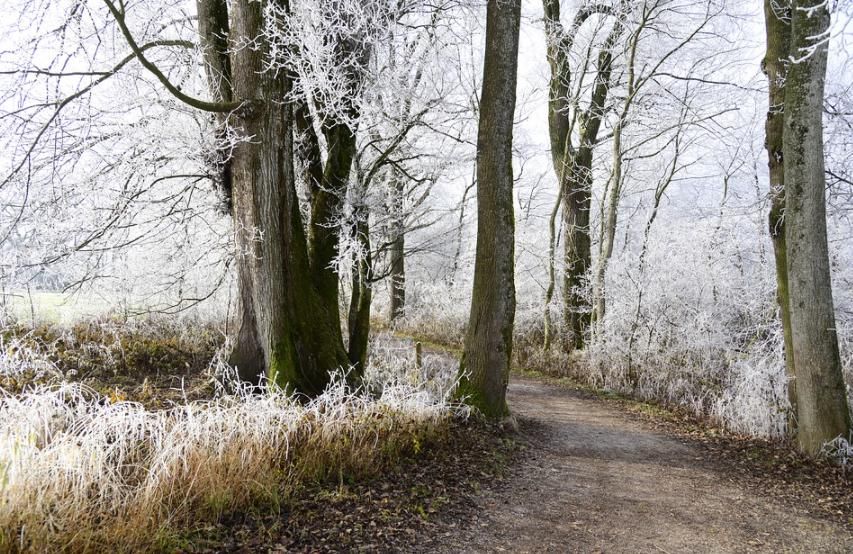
743 392
109 348
736 382
81 470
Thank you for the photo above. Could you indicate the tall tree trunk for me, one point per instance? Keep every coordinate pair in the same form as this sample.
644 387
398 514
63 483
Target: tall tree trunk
460 229
777 14
823 413
398 276
213 30
577 253
398 255
485 364
282 327
548 325
328 183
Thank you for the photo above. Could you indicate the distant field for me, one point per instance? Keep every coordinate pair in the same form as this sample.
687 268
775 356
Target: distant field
53 307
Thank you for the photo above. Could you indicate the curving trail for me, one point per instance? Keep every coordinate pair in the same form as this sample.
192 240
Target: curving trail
598 481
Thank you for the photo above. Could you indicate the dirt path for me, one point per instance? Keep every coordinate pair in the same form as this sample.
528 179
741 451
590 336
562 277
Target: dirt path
598 481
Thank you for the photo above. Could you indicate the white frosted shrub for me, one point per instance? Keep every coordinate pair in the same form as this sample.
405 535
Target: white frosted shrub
705 334
392 363
437 310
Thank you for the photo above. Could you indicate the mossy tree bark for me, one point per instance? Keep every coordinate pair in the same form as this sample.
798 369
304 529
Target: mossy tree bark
487 353
822 409
329 181
326 210
282 327
777 17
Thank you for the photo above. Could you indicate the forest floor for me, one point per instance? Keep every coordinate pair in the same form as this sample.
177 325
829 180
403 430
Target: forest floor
586 471
583 473
599 476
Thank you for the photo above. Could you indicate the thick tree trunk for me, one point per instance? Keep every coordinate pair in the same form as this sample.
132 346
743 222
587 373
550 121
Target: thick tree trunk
488 343
777 15
822 409
283 328
577 254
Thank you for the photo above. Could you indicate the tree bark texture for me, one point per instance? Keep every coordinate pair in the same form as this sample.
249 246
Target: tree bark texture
822 410
488 343
213 29
326 210
777 14
281 328
398 276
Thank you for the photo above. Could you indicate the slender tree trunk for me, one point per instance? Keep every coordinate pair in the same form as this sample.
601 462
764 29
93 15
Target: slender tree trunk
398 277
486 359
307 148
326 209
632 374
213 30
362 296
573 164
398 257
823 413
282 327
608 230
777 15
552 275
460 229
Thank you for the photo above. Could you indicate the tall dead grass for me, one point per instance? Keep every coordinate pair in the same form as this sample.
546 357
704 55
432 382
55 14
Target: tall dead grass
79 472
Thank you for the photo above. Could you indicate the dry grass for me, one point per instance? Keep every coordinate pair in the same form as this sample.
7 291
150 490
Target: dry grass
80 471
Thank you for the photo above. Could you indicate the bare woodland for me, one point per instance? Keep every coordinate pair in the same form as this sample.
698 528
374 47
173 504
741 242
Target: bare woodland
650 197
